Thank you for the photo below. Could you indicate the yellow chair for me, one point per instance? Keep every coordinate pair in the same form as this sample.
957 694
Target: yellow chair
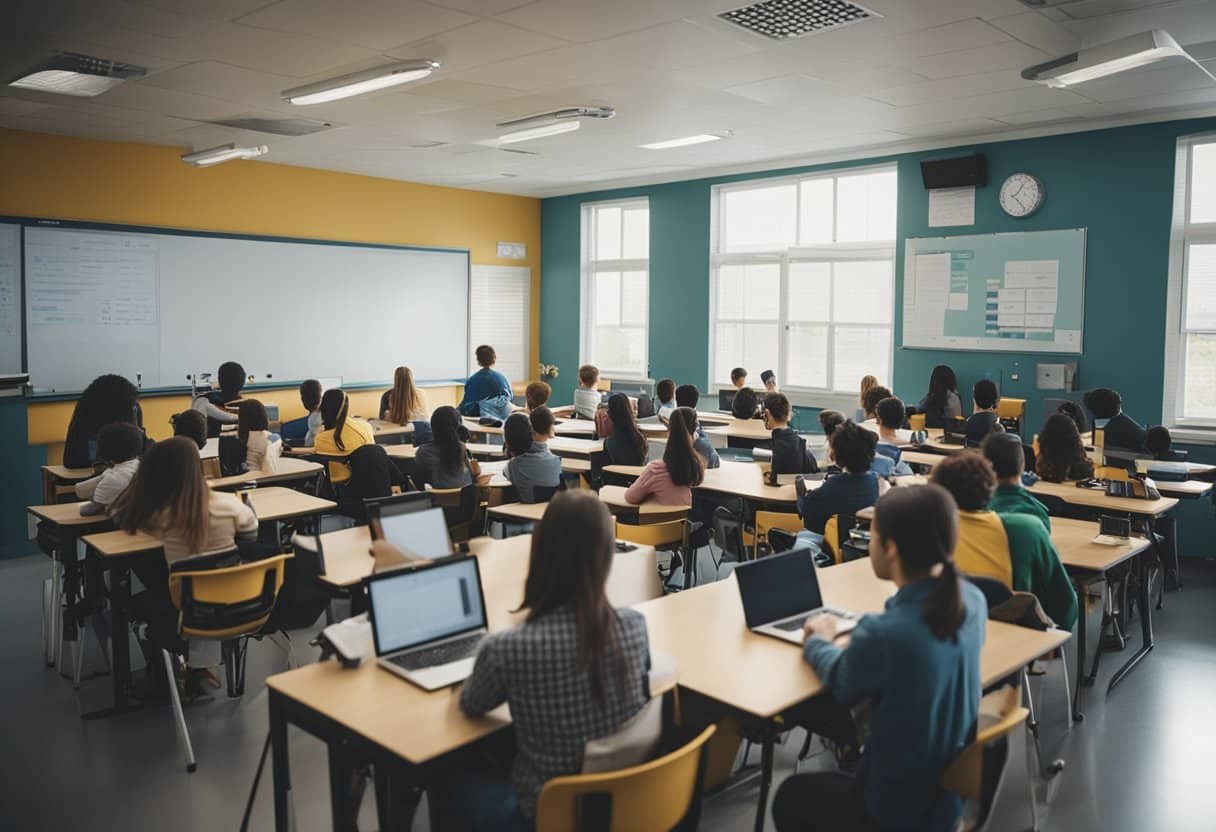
836 534
1011 408
916 421
975 774
1111 472
670 535
651 797
766 521
229 604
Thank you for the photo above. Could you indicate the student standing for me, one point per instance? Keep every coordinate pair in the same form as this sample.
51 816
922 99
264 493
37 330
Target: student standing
1061 453
919 719
342 435
487 392
574 671
626 445
848 492
1121 431
231 378
530 464
669 481
1005 453
444 461
985 419
665 392
108 398
310 397
404 402
1016 549
942 400
536 394
790 453
118 448
586 397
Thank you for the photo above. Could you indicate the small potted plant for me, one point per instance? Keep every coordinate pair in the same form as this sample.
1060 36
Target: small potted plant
547 372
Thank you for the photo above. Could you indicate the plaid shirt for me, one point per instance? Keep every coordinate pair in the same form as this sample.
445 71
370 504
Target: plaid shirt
534 667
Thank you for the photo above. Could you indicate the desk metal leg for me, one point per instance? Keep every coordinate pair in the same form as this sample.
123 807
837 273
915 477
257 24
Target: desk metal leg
280 766
766 776
1144 594
120 648
1082 642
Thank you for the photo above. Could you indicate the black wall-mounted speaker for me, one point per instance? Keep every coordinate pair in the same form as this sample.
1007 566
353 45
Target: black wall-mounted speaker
955 173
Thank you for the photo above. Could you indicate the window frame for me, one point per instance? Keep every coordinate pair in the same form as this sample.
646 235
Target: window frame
829 253
490 272
1183 235
590 266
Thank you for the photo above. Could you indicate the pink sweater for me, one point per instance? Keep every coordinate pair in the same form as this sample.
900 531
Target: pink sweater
656 483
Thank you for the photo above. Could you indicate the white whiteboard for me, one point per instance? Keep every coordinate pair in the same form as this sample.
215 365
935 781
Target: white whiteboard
10 298
160 307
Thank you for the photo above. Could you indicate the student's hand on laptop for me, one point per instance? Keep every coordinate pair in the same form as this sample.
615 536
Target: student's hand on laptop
823 626
388 556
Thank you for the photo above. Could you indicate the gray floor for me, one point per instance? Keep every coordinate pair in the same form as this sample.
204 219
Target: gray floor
1141 760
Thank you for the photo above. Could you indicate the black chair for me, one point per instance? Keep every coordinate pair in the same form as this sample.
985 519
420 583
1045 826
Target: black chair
779 540
372 476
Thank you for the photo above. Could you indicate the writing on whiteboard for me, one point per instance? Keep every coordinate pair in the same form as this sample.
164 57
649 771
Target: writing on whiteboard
97 279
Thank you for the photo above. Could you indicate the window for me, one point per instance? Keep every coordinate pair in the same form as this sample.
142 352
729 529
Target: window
1190 371
500 303
803 280
616 287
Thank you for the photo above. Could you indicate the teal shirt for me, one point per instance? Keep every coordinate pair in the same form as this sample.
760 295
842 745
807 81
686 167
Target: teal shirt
924 695
1014 499
1037 568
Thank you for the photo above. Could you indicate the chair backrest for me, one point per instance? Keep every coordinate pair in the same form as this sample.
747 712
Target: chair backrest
211 468
301 598
1008 408
460 509
652 797
766 521
371 473
916 421
1111 472
226 602
779 540
658 535
544 493
728 532
975 773
995 591
836 534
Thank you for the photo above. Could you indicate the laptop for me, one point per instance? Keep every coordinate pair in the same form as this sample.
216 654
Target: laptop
780 592
423 533
726 400
428 621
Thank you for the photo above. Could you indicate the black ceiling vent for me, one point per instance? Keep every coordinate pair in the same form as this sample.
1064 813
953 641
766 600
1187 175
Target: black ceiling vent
782 19
277 126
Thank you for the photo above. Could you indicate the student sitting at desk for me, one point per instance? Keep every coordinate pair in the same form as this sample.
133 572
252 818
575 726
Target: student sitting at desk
536 394
530 464
574 671
487 392
444 462
985 419
891 414
738 377
669 481
107 399
745 405
310 397
118 448
1121 431
1016 549
790 453
868 383
1005 453
262 448
845 493
1158 442
1060 455
769 379
626 445
1075 412
870 401
192 425
231 377
404 402
700 442
586 397
917 664
942 400
665 395
342 433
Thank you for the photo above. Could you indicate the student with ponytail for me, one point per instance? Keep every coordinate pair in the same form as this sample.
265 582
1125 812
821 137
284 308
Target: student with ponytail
918 665
343 433
669 481
444 461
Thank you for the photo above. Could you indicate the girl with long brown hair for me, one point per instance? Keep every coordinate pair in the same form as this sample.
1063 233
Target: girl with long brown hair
626 445
404 403
343 433
670 480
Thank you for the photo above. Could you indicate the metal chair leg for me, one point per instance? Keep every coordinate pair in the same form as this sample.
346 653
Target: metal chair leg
77 661
1067 687
178 716
56 612
1034 798
1049 771
48 592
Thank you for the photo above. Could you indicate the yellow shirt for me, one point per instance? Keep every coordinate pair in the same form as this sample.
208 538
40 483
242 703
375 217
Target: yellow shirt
983 546
355 434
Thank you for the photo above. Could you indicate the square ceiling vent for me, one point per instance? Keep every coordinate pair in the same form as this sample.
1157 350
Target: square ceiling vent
782 19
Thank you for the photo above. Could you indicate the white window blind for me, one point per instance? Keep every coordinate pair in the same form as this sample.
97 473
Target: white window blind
616 287
499 315
803 279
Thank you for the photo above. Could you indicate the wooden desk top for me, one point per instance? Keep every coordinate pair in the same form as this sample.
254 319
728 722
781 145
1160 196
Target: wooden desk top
614 497
287 469
477 449
584 428
527 512
568 446
270 504
66 475
1074 540
725 660
922 458
382 428
66 514
419 726
746 479
714 417
742 429
1188 490
1096 498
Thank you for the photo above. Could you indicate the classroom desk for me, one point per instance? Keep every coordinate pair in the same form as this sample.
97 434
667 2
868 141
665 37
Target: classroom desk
1096 498
740 479
748 429
612 495
288 469
117 550
388 433
384 719
568 446
479 450
56 476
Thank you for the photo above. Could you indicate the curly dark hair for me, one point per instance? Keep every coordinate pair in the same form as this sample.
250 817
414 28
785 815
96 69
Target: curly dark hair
853 447
1104 403
969 477
1004 451
829 420
872 397
1060 448
745 403
108 398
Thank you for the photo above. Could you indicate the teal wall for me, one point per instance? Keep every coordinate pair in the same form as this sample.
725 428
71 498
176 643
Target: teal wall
21 484
1117 183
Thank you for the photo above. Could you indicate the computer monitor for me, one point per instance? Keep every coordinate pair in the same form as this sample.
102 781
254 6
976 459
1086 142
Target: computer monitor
411 607
726 399
635 387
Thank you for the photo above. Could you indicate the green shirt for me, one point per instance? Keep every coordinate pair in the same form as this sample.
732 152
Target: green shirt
1013 499
1037 568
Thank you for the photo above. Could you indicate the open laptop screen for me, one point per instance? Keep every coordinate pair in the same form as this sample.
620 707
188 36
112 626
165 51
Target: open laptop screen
778 586
411 607
423 533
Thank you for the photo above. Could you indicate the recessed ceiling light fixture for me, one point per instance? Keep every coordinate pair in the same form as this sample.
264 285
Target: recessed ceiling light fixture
358 83
700 138
223 153
553 123
1110 58
81 75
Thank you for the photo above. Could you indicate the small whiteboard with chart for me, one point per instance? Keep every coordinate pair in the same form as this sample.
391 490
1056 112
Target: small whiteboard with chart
1019 292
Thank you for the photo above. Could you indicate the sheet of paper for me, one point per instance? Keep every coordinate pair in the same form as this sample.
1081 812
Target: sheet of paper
932 279
1032 274
958 302
951 206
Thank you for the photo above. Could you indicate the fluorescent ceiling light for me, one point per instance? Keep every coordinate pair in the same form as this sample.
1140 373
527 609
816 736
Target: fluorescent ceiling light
700 138
565 120
555 129
1108 59
80 75
223 153
358 83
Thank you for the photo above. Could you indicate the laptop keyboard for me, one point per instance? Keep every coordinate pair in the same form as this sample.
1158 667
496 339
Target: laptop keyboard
451 651
797 623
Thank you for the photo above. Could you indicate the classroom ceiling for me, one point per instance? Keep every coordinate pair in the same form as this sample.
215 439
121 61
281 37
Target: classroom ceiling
925 72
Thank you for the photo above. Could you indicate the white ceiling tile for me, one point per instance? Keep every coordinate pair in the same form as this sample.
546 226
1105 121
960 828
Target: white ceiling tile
993 105
587 20
863 76
379 24
482 8
1187 21
136 17
677 45
1037 117
466 92
962 127
566 66
211 9
1032 29
788 91
279 52
965 34
1013 55
731 72
1204 98
141 95
203 136
19 107
964 86
477 44
231 83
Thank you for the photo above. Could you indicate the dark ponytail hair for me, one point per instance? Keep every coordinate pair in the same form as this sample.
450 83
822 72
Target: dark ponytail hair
517 434
684 464
922 522
450 434
334 408
620 411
